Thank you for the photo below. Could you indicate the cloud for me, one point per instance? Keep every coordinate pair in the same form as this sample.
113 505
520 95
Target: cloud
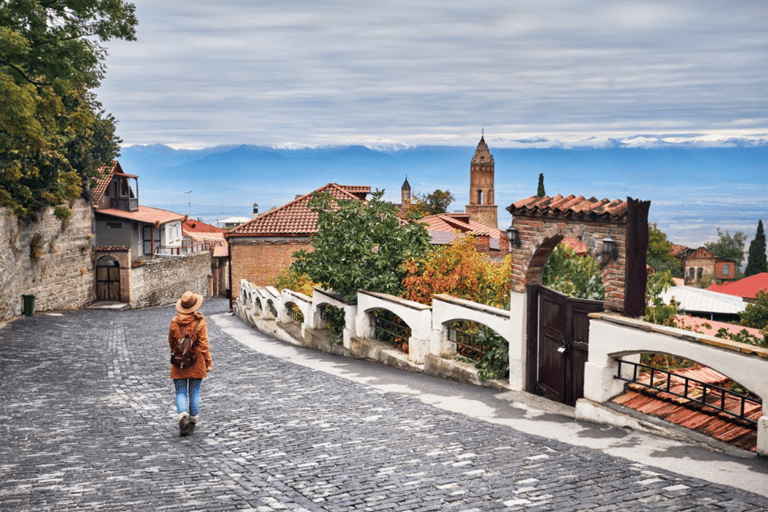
416 72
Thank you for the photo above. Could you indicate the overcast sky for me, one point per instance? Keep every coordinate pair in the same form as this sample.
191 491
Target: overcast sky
418 72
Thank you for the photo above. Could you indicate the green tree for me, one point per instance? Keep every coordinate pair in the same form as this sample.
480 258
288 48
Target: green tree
54 134
659 254
574 275
540 192
430 204
756 313
360 245
729 247
756 260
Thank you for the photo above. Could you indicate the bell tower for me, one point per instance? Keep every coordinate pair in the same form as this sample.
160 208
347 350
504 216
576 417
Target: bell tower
481 205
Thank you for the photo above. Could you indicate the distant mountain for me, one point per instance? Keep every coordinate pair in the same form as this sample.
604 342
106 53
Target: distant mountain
692 189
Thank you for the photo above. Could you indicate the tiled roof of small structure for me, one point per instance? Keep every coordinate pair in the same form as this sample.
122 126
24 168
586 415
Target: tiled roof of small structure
106 172
570 206
145 214
452 222
683 412
295 218
746 288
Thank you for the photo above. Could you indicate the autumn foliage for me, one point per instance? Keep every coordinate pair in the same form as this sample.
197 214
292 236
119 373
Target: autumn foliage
461 271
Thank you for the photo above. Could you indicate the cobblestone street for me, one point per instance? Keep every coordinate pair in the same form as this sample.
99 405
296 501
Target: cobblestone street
87 422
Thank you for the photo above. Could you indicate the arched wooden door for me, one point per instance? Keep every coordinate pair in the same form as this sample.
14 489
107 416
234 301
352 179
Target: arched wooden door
108 279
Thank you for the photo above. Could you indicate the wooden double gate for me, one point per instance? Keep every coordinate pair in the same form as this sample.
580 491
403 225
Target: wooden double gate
558 343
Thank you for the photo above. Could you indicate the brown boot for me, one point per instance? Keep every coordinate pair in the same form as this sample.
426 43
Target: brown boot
191 425
183 418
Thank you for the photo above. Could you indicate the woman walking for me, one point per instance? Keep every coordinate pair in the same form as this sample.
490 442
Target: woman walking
188 373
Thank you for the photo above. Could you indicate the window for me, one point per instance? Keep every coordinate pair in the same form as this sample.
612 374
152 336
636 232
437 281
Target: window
726 270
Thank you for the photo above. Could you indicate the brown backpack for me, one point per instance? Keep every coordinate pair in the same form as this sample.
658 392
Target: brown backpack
184 354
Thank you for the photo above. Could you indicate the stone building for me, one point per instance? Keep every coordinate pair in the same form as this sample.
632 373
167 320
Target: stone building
698 264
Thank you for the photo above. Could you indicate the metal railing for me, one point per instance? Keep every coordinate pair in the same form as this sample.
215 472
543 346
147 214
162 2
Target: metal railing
391 330
467 341
714 397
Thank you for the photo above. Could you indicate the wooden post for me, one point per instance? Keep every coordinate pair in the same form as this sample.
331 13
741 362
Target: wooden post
635 274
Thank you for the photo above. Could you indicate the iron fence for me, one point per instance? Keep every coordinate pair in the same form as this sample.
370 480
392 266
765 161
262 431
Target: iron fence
711 396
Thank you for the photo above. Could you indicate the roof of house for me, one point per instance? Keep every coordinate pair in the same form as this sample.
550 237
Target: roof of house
145 214
295 218
211 235
746 288
461 222
570 207
106 173
700 300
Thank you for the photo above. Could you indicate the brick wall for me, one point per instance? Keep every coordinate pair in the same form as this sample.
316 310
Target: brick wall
161 281
63 275
260 262
540 236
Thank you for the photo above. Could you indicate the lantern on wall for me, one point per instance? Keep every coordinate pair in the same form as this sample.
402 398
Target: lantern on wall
610 249
513 235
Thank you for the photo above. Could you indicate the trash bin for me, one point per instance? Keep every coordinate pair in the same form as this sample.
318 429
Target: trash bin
29 305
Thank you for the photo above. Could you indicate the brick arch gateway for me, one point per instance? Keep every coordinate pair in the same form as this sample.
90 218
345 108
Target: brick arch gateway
556 327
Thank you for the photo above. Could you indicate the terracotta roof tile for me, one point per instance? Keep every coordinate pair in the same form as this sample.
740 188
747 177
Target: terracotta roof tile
196 226
295 217
451 223
569 206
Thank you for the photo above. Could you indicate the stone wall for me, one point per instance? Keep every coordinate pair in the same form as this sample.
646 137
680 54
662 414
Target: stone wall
61 275
161 281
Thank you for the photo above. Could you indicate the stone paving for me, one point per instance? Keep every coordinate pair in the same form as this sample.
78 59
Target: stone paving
87 423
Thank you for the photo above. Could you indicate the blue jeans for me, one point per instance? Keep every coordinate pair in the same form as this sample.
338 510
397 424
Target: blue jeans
188 395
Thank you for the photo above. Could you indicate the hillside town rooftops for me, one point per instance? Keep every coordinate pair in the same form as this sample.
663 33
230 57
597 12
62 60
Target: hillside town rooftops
295 218
570 207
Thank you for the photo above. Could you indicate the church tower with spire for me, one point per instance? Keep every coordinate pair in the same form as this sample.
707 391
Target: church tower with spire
481 170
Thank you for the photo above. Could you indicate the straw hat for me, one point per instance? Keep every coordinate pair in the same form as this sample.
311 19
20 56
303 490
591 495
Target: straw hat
189 302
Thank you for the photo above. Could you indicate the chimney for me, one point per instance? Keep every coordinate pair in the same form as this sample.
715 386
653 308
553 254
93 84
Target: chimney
255 210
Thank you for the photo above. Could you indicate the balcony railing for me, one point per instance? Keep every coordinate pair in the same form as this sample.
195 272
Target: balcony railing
130 204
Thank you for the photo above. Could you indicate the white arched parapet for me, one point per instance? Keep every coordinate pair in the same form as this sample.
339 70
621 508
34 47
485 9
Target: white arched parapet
302 301
446 309
612 336
321 297
418 317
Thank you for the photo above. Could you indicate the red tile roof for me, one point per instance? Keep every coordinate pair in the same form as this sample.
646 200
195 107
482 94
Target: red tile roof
295 218
196 226
579 247
686 413
144 214
569 206
746 288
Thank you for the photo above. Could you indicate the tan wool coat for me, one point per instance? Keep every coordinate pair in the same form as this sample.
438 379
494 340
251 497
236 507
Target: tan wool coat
181 325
